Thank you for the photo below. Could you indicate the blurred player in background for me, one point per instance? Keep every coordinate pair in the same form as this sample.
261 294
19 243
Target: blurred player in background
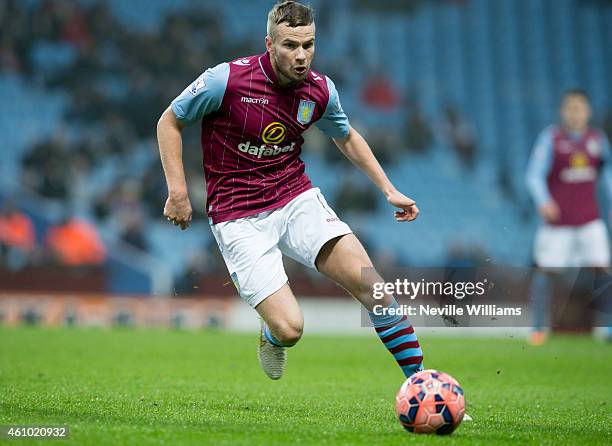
260 203
562 178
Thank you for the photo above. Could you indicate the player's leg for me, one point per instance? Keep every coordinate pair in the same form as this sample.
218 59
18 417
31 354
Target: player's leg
316 237
540 291
282 317
343 260
281 327
249 247
553 249
593 250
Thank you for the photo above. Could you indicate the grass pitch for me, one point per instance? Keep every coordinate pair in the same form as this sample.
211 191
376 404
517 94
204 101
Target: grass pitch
152 387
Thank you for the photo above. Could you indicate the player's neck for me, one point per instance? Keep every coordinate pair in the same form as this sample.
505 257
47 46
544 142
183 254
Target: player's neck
577 131
281 80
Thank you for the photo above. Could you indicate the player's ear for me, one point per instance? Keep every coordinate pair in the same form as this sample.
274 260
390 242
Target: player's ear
269 46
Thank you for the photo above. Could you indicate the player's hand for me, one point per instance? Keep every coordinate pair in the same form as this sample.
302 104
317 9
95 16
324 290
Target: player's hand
408 208
178 210
550 212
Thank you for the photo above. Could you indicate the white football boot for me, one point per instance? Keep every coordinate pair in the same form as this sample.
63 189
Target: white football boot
272 358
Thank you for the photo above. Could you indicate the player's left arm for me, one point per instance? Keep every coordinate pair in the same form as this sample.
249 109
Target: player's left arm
334 124
606 168
356 149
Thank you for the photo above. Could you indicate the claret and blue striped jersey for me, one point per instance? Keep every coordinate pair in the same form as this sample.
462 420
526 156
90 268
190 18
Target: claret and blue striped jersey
252 133
565 167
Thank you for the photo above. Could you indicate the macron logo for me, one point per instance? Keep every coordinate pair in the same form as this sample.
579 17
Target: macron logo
242 62
261 101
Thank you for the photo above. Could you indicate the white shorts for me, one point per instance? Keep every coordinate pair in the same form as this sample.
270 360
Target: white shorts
567 246
252 247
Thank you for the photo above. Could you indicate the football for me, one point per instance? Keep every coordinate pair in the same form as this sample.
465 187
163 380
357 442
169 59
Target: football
430 402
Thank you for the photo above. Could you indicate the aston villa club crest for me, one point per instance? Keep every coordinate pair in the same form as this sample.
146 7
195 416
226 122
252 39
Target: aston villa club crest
305 111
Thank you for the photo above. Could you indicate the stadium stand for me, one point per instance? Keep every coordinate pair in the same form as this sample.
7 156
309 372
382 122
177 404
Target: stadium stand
84 115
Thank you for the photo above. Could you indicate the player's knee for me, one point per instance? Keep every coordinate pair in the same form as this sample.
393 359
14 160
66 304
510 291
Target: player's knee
290 332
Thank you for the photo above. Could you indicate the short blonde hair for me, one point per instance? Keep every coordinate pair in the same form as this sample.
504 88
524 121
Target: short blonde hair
292 13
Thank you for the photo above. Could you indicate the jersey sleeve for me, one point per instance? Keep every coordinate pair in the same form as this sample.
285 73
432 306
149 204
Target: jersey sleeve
203 96
538 168
606 169
334 122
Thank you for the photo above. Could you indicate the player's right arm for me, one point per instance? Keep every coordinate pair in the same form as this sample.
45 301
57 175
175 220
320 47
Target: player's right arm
537 171
178 207
202 97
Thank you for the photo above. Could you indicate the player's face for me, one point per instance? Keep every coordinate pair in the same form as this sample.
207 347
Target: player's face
576 112
292 51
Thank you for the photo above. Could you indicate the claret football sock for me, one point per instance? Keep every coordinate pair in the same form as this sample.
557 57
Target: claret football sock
399 338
